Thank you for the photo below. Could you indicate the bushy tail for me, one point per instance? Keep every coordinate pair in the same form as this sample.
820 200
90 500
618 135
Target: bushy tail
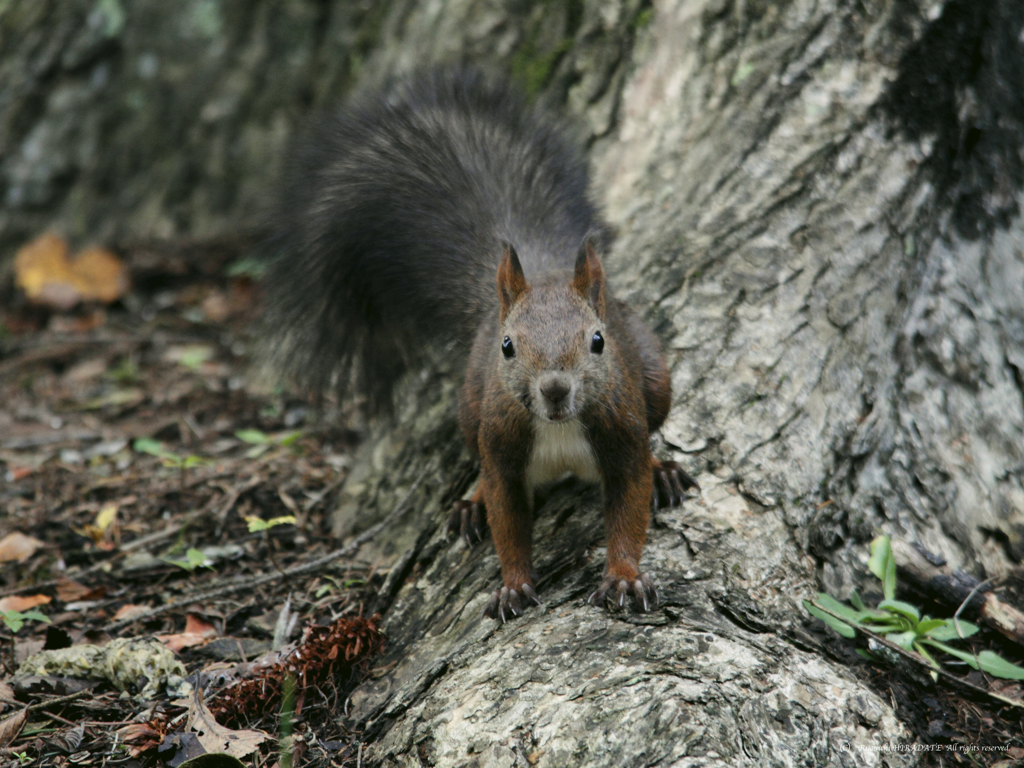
391 221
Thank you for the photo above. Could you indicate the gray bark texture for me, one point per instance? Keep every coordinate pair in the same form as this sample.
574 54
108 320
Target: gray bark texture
817 205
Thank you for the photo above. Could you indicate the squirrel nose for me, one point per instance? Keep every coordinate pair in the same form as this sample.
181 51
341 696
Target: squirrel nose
555 390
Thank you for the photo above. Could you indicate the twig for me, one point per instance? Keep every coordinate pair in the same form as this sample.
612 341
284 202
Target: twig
298 570
951 588
46 704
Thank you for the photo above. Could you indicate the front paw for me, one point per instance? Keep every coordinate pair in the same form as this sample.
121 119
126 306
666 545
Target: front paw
670 484
506 603
467 519
641 588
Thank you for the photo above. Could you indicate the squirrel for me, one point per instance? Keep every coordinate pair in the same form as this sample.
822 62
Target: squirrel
449 209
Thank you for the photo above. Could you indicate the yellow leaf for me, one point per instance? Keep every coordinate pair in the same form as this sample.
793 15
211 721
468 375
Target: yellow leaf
106 516
44 272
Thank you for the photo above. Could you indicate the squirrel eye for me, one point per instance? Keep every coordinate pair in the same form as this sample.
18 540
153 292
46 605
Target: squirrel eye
597 343
507 349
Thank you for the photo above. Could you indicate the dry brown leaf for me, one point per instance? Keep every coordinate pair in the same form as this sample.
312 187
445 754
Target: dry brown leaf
11 726
197 625
140 737
23 602
18 546
215 737
46 275
183 640
130 611
197 631
69 591
20 473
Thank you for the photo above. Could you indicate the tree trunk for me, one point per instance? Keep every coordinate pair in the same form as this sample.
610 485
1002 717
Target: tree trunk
817 210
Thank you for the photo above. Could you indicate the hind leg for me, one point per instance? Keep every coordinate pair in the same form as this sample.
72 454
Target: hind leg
671 482
468 517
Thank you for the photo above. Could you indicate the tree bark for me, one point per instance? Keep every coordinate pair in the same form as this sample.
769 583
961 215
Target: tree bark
817 204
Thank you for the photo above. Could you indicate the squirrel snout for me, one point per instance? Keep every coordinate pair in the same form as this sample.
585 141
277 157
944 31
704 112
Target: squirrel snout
556 389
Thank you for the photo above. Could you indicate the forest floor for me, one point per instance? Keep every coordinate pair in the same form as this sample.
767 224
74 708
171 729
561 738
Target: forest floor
151 487
135 447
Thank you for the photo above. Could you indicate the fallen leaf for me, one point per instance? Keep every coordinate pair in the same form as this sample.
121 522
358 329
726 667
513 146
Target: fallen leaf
6 692
23 603
182 640
18 546
87 370
197 625
69 591
197 631
140 737
103 532
42 271
69 739
11 726
215 737
46 275
102 273
130 611
106 516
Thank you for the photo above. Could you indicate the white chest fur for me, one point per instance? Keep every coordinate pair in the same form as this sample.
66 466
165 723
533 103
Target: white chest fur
559 450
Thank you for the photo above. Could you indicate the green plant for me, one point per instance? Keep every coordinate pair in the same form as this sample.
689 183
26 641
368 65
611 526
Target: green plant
193 357
261 442
169 458
251 267
902 623
15 620
193 559
257 524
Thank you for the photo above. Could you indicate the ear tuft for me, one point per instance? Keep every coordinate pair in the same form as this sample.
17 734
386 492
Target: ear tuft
588 278
511 280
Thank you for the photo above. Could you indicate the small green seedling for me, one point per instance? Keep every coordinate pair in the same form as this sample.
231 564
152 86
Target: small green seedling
250 267
169 458
261 442
193 559
194 357
15 620
903 624
257 524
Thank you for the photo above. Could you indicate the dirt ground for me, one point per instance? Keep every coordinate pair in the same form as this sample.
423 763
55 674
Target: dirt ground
135 443
138 454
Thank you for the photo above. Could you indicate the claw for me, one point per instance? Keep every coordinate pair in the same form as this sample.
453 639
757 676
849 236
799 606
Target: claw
638 589
670 484
508 603
466 519
531 594
642 589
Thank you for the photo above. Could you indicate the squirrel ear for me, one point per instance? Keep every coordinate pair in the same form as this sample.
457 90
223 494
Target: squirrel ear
511 280
588 279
